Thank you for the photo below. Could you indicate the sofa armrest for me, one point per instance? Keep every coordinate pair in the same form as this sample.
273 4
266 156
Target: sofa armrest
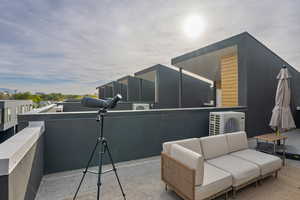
182 170
190 158
178 176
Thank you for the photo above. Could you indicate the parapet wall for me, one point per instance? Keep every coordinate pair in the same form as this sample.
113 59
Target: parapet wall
22 164
70 137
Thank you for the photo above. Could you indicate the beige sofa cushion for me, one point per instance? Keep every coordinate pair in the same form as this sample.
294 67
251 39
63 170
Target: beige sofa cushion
189 158
192 144
237 141
214 146
215 180
267 163
241 170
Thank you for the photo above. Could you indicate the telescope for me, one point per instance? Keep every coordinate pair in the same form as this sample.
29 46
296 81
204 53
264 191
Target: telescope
101 103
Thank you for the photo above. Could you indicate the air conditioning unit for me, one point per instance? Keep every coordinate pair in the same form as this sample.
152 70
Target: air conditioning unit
226 122
140 106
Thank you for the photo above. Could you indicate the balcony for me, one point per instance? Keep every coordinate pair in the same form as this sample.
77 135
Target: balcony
45 159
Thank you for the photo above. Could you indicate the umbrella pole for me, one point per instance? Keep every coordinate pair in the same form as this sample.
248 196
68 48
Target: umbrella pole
278 134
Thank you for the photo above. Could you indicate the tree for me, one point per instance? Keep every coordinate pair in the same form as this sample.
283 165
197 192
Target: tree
36 99
22 96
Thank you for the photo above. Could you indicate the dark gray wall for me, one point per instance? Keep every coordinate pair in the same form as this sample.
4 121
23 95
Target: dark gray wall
123 106
123 91
101 92
263 67
131 135
147 91
133 89
4 187
116 88
195 92
108 91
112 89
4 135
168 89
75 107
297 118
23 182
136 89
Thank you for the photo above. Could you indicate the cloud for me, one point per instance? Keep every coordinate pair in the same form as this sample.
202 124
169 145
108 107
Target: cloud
73 46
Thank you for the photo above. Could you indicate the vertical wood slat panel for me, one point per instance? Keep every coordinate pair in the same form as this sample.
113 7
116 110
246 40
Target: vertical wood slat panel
229 80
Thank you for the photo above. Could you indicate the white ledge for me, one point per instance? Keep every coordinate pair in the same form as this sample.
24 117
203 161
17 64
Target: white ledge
42 109
13 150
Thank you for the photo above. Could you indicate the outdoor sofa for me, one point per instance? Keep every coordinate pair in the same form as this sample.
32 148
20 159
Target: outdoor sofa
207 167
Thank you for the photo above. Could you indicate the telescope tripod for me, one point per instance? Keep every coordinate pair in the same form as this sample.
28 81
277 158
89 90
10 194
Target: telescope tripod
104 148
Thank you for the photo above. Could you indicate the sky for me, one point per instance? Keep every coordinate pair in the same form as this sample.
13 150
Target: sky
73 46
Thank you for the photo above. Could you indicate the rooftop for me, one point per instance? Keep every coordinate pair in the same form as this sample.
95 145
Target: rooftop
56 149
141 180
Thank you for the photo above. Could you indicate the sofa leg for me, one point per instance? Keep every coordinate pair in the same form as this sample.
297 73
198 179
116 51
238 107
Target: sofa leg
226 196
166 187
276 174
234 193
256 183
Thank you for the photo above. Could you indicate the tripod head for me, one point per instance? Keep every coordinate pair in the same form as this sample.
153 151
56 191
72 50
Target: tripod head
101 113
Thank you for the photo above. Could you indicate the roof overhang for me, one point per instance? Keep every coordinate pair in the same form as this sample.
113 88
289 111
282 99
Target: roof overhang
206 65
149 76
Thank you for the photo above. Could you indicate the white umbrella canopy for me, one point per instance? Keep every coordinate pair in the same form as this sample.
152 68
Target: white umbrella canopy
282 118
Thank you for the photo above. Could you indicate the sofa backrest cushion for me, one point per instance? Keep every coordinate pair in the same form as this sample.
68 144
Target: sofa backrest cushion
214 146
237 141
192 144
191 159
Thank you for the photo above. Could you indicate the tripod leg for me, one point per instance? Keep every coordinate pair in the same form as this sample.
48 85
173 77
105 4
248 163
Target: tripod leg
86 168
101 153
114 168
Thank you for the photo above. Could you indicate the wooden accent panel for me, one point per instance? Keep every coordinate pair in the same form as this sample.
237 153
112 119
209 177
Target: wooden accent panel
229 80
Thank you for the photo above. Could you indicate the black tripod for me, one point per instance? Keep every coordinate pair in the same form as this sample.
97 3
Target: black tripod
103 149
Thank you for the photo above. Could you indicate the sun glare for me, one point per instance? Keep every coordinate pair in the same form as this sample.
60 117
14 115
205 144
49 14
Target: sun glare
193 26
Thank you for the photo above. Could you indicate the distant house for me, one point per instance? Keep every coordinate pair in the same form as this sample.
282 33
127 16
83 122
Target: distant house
244 74
108 90
134 89
131 88
9 109
173 89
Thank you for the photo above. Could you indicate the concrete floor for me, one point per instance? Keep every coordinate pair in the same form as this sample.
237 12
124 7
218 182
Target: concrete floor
140 178
293 141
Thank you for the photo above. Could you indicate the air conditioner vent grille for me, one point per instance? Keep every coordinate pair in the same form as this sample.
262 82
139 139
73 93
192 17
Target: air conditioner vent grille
226 122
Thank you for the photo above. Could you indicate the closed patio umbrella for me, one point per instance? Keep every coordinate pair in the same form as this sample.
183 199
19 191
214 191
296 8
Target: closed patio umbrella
282 119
